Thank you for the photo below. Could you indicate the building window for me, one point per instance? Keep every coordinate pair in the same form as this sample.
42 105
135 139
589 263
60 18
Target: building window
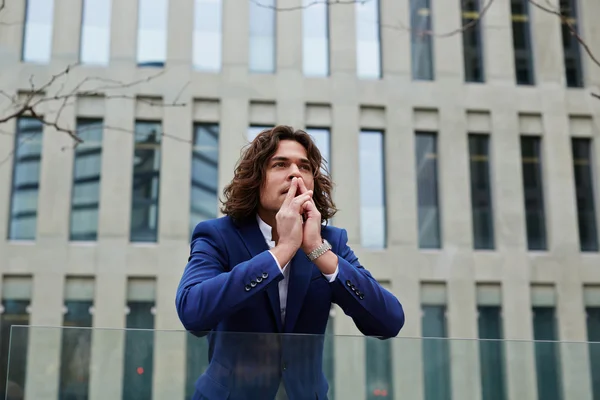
207 41
95 32
547 353
481 192
139 350
593 337
368 39
491 353
85 196
146 182
37 31
322 139
584 188
521 31
378 368
14 334
262 36
372 189
472 43
531 158
205 174
76 350
196 355
329 354
27 158
436 353
571 46
152 33
421 40
427 191
315 38
254 130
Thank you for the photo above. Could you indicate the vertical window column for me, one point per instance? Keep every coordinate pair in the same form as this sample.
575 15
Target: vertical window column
27 159
427 190
205 174
372 190
521 32
368 37
208 35
263 20
481 192
535 216
95 32
152 33
315 38
592 309
322 139
472 43
146 182
37 34
421 40
571 46
584 190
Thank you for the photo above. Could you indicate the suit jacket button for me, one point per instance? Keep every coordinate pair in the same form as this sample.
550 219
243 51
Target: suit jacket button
259 279
361 296
252 283
348 283
247 287
265 275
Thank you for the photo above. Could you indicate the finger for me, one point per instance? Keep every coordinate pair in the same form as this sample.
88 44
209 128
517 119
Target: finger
302 186
299 200
291 192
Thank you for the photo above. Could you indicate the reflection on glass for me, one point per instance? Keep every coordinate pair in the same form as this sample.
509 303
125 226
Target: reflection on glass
205 169
472 43
139 351
522 42
368 36
95 32
491 353
262 36
207 40
14 342
436 353
329 355
372 189
571 50
427 190
421 40
76 350
27 160
315 38
593 337
481 192
379 371
547 354
584 188
37 35
196 357
85 196
146 181
152 33
534 193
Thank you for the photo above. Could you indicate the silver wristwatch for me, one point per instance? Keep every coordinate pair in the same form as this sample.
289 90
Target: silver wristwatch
319 251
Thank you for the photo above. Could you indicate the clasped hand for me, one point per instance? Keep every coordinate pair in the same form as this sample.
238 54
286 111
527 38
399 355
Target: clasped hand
298 220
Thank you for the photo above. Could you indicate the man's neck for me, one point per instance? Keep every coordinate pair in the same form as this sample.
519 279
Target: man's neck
270 219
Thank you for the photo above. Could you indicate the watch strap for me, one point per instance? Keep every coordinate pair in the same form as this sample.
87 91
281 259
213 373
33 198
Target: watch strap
319 251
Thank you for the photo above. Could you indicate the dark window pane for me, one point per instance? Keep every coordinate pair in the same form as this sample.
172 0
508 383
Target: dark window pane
85 196
421 40
205 168
14 341
329 357
27 158
584 189
139 351
481 192
571 46
427 191
472 44
522 42
534 194
491 353
593 332
547 356
146 181
436 354
380 379
196 362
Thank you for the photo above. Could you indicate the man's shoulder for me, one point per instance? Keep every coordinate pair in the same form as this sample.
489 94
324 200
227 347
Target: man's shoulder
220 224
331 232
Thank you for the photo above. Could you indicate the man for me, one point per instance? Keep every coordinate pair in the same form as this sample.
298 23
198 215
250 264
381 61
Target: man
271 266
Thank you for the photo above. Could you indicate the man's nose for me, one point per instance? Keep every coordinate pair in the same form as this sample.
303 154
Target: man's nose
294 172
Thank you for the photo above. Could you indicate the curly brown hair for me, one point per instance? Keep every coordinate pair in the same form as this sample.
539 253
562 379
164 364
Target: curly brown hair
242 194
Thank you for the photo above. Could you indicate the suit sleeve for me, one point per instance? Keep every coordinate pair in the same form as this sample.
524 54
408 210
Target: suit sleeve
374 310
210 290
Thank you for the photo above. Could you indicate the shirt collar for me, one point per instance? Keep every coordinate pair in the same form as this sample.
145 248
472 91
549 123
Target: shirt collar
265 229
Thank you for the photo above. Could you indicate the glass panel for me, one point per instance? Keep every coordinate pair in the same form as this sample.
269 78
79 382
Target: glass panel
372 189
436 354
146 180
152 33
197 360
427 191
205 180
534 193
315 40
584 190
254 130
379 369
27 158
593 335
13 370
481 192
547 354
262 36
522 42
491 353
37 35
472 43
571 46
368 34
207 41
421 41
139 351
95 32
87 166
321 139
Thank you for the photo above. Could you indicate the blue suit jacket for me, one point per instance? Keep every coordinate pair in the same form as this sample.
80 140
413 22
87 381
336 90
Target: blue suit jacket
229 286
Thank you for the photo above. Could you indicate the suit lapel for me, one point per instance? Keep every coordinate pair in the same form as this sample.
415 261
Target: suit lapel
298 285
256 244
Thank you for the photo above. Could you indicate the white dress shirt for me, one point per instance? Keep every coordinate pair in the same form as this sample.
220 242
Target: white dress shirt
283 284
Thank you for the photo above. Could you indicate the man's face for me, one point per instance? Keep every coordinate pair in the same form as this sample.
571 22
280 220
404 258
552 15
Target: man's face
289 160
